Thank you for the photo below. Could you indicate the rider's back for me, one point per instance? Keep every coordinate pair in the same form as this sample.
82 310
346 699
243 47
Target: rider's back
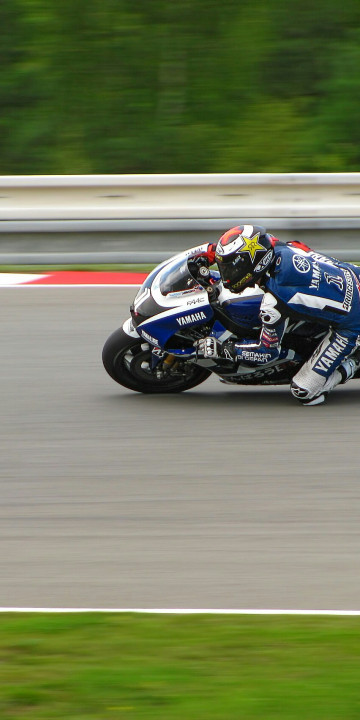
311 285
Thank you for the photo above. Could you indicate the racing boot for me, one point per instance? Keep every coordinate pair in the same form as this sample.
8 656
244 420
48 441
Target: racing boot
341 375
348 368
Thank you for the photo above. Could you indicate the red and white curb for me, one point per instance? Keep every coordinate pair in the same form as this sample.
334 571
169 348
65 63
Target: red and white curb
72 278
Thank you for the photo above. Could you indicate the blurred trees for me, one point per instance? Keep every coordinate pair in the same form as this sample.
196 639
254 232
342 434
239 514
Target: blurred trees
117 86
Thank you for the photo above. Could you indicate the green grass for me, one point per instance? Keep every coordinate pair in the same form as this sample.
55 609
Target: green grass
50 268
114 267
122 666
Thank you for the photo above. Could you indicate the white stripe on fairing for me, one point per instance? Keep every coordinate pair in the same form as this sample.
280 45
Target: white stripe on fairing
173 312
185 611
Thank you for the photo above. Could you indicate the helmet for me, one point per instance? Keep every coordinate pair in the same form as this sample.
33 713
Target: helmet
243 254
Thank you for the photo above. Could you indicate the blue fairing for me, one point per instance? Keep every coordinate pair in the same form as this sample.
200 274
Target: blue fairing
160 328
244 311
172 302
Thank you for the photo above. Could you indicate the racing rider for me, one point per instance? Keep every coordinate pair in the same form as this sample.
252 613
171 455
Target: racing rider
298 283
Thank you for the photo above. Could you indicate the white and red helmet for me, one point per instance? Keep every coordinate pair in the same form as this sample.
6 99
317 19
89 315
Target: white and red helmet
243 254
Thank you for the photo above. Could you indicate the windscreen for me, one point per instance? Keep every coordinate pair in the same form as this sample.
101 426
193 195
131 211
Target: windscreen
177 279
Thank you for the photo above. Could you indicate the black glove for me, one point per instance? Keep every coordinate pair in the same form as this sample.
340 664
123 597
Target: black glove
199 268
210 347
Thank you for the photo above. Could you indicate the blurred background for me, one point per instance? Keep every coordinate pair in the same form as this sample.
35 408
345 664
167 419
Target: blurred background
117 86
118 499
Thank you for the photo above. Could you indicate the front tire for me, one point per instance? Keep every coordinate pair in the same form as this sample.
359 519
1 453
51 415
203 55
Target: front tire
127 361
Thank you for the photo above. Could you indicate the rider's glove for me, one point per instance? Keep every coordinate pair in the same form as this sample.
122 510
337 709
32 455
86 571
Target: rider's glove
210 347
199 268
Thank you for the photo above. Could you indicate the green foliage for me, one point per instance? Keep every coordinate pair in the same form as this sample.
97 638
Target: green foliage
113 86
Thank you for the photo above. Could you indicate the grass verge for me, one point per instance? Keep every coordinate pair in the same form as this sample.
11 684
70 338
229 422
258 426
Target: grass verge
105 666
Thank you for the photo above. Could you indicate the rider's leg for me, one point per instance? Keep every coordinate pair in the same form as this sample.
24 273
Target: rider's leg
330 365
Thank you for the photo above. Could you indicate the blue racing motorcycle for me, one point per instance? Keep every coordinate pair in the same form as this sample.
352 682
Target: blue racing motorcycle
180 302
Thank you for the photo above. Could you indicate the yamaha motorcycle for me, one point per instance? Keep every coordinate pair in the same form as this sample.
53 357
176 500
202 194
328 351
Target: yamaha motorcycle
181 301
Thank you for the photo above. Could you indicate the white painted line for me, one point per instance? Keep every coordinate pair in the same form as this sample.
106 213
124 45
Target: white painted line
68 285
15 279
185 611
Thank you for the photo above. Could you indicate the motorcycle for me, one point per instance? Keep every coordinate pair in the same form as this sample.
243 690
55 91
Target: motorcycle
181 301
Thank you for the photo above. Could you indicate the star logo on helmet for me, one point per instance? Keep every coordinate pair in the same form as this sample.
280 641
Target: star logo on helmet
251 245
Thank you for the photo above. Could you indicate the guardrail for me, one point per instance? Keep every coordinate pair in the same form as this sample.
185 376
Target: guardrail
91 213
82 203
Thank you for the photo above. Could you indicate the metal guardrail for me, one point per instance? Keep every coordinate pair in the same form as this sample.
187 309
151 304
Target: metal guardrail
164 201
83 208
218 225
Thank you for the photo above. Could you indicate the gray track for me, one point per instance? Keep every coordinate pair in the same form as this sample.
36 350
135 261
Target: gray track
218 497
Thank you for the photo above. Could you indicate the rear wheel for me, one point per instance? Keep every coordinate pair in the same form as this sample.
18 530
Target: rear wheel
128 361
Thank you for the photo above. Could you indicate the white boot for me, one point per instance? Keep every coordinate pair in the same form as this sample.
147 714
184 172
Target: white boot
348 368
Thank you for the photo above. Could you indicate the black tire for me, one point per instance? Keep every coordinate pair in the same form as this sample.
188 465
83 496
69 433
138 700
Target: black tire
125 360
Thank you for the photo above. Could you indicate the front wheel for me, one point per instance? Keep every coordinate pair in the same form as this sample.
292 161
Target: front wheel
128 361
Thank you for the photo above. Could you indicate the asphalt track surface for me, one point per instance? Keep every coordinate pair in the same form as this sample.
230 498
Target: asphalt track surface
216 498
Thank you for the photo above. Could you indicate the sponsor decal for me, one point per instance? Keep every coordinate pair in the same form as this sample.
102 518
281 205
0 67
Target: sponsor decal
349 291
332 353
194 317
251 245
253 356
196 251
301 264
242 244
299 392
321 258
158 352
148 337
238 259
227 354
278 261
269 372
264 262
316 276
242 282
336 280
196 301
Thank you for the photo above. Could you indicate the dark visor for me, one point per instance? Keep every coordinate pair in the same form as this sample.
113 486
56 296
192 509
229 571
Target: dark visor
231 274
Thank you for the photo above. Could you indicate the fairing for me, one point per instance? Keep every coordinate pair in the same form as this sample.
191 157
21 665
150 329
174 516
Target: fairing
171 301
170 285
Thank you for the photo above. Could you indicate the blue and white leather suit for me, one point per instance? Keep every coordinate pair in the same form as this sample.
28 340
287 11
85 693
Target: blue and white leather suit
307 285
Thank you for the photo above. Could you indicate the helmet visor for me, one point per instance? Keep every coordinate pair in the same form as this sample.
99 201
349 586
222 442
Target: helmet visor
235 276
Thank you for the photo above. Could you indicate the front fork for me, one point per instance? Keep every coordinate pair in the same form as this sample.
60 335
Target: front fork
167 361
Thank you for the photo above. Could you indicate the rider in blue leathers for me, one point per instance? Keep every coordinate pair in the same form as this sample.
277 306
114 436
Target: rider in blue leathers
298 284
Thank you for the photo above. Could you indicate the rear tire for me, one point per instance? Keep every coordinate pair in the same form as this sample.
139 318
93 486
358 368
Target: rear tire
126 360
